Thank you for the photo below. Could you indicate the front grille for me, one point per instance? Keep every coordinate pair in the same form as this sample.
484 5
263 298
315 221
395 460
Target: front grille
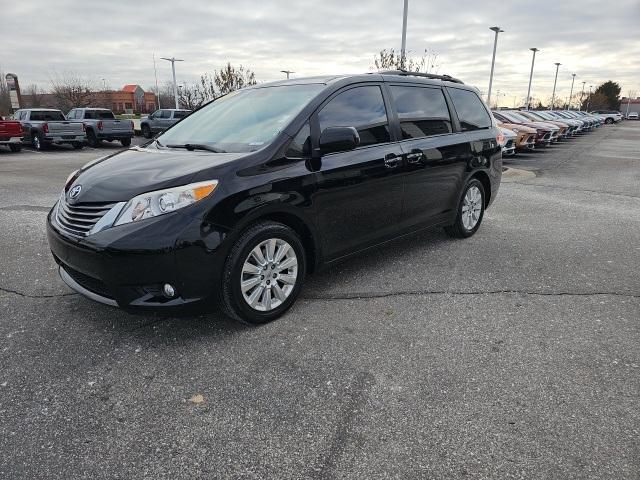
509 144
80 218
90 283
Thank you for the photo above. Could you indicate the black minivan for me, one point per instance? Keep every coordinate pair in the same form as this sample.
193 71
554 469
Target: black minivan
237 202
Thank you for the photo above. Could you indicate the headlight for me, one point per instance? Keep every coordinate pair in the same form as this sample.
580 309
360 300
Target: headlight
157 203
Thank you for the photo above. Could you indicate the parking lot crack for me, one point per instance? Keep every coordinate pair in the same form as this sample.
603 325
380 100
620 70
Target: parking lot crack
370 295
28 295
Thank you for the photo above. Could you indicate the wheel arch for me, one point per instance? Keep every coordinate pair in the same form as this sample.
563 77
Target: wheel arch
483 177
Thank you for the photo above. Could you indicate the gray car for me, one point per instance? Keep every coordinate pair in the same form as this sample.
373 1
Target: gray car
160 120
46 126
101 124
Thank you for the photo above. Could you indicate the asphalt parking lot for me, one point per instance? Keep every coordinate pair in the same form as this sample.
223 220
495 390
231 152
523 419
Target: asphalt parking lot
513 354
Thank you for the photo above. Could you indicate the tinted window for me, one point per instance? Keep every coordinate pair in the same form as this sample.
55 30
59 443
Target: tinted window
72 114
362 108
300 146
98 115
180 114
165 114
470 109
47 116
421 111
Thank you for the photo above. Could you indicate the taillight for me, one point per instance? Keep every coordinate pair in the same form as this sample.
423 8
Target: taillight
100 125
45 127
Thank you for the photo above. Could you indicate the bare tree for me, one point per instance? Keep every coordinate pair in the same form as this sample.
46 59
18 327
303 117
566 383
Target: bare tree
190 96
388 59
231 78
33 96
71 90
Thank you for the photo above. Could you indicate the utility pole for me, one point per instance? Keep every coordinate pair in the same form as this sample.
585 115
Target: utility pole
403 48
173 61
287 72
573 78
553 95
533 61
155 72
493 61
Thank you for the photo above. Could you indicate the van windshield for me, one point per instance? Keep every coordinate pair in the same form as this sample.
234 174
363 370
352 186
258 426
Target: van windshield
242 121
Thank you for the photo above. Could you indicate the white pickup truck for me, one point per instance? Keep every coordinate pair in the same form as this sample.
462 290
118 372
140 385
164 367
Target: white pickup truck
101 124
44 126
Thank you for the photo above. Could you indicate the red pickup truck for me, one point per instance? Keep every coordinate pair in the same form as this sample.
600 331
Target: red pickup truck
11 134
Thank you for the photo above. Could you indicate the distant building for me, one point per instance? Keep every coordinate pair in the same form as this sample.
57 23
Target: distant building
634 105
131 99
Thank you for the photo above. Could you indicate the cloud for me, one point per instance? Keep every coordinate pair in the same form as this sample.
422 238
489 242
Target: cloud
116 41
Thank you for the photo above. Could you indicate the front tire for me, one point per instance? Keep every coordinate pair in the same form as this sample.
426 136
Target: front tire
263 273
470 211
609 121
146 131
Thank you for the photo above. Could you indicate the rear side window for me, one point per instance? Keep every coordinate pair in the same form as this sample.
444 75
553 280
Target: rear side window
47 116
98 115
422 111
362 108
470 109
180 114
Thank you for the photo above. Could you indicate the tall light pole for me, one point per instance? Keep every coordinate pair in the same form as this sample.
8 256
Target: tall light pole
287 72
573 79
553 95
533 61
173 61
630 94
493 61
582 94
589 97
104 84
155 72
403 48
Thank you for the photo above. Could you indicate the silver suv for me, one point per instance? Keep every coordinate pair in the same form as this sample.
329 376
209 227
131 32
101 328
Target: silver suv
160 120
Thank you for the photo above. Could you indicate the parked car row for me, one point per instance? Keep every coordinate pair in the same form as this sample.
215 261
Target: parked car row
43 127
526 130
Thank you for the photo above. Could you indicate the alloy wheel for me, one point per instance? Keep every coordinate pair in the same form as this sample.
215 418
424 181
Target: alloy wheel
471 208
269 274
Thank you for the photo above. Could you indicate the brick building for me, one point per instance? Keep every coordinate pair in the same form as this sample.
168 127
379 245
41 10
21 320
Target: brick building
634 105
131 99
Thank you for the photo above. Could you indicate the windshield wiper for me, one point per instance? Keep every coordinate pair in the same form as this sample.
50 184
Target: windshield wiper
198 146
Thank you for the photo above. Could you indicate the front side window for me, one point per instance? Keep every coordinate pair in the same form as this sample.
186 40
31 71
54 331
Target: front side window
422 111
243 121
362 108
300 146
470 109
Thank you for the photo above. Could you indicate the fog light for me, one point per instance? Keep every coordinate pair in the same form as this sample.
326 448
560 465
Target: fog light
168 290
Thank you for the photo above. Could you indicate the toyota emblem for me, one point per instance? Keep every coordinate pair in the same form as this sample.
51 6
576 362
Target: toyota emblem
75 191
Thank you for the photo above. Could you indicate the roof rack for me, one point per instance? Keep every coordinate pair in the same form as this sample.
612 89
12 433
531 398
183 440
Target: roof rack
445 78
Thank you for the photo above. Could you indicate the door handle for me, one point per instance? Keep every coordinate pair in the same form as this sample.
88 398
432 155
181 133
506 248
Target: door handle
391 160
415 157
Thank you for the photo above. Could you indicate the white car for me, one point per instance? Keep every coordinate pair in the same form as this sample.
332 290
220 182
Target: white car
632 116
609 116
508 143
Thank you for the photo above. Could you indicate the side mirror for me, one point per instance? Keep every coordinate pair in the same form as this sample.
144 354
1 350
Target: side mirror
338 139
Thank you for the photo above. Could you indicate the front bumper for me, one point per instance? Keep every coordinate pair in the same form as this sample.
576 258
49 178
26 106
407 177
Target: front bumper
127 266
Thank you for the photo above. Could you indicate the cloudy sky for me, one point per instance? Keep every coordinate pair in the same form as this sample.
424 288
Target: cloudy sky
596 39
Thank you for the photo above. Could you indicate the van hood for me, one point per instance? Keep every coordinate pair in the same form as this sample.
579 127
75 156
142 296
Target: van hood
120 177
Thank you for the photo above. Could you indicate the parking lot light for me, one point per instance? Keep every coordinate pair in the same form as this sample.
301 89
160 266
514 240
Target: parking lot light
403 46
553 95
533 61
173 61
573 78
493 61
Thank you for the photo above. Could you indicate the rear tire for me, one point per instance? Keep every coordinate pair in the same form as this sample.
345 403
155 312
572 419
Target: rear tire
609 121
125 142
146 131
470 211
15 148
281 282
38 142
92 140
